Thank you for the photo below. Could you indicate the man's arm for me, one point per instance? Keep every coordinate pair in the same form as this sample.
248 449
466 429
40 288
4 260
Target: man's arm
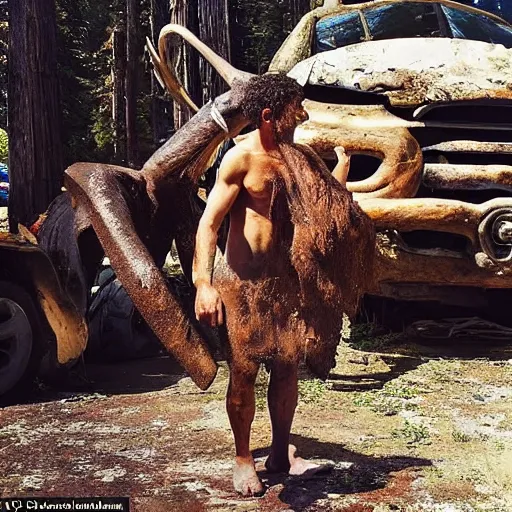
208 306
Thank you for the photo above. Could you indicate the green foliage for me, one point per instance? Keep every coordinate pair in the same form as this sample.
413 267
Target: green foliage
394 397
413 433
382 404
259 28
499 445
84 55
4 146
83 60
370 337
85 71
260 389
461 437
399 389
311 391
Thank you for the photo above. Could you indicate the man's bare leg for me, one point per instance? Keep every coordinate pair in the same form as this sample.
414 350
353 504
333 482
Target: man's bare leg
282 401
241 406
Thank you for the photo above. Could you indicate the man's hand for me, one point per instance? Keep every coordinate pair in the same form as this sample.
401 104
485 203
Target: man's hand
343 156
209 305
340 172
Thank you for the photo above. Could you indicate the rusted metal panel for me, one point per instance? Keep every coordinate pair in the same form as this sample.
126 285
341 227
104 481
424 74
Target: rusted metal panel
416 71
65 320
468 177
471 146
396 264
488 226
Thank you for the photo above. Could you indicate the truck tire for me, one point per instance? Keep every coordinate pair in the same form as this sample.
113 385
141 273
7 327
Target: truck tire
20 337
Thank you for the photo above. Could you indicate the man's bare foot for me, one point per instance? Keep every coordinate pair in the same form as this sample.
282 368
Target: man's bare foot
295 465
245 479
300 466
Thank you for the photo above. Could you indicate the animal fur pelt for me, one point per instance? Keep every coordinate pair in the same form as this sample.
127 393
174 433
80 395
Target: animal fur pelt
332 251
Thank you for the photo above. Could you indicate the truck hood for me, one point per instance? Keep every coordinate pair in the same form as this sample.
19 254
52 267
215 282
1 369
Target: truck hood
414 71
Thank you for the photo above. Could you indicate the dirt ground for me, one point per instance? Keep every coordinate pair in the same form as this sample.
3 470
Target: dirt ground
409 427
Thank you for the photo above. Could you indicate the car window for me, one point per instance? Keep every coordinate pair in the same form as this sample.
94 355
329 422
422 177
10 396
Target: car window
468 25
403 21
336 31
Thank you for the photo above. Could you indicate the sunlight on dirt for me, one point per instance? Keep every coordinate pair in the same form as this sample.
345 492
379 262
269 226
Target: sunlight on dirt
408 427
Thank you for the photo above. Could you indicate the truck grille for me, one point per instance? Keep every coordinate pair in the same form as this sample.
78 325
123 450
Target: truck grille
467 150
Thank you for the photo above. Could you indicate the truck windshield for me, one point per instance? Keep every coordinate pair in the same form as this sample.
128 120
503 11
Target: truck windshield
408 20
339 30
403 20
468 25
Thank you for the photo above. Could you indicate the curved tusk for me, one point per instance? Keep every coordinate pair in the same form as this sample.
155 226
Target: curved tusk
228 72
167 79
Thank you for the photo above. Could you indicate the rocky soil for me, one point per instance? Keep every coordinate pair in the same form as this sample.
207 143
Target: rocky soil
409 427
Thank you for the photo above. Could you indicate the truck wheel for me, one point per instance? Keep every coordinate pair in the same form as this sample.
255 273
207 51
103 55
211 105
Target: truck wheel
19 333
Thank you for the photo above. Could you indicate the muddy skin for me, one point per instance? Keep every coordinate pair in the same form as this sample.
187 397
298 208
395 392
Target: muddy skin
276 316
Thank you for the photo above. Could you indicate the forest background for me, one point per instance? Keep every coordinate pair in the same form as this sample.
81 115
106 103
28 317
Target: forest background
110 107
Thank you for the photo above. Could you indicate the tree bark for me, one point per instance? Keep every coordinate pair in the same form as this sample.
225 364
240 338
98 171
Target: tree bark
214 31
297 9
131 82
35 151
159 105
186 61
118 100
4 46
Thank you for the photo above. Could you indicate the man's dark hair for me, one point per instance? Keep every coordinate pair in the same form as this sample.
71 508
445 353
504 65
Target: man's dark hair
274 91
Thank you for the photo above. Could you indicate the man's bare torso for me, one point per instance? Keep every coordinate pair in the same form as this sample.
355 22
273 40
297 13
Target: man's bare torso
252 231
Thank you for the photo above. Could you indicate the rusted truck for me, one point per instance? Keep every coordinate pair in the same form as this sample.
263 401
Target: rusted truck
40 328
419 92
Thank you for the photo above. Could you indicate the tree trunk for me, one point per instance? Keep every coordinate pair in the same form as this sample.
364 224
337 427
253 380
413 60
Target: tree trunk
297 9
214 31
131 82
118 102
4 45
35 152
159 105
186 61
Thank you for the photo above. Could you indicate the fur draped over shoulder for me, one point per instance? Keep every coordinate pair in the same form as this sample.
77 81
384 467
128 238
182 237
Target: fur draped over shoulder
332 251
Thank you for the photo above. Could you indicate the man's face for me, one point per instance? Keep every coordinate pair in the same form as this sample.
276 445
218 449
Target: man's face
293 115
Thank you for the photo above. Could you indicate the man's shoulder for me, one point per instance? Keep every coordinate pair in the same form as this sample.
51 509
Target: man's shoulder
237 156
234 165
242 149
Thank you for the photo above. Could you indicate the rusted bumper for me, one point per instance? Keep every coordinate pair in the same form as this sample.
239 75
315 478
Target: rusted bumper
485 261
66 322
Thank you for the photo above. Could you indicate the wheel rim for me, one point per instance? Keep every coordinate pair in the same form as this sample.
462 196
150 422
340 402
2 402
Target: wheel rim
15 343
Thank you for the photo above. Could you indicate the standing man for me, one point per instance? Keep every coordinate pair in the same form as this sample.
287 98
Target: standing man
256 287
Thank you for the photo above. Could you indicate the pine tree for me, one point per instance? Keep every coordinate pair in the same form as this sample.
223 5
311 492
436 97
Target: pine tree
35 148
260 27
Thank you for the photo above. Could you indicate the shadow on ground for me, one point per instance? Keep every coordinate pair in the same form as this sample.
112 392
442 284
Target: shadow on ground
131 377
353 473
369 380
403 356
117 378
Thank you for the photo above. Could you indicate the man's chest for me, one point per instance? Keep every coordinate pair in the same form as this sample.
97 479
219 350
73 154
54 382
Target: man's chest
261 184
